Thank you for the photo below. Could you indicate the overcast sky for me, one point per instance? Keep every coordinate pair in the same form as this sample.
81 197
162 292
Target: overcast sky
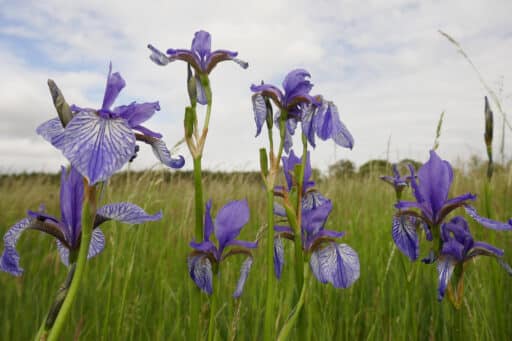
386 67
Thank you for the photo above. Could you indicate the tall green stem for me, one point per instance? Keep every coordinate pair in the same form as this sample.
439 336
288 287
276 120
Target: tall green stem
88 214
198 197
271 281
213 308
288 326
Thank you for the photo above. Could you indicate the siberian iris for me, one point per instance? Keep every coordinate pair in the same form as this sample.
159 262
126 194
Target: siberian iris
330 262
67 230
458 247
431 206
200 57
99 142
204 261
318 116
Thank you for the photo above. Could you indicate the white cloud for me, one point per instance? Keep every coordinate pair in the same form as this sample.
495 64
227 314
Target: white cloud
383 63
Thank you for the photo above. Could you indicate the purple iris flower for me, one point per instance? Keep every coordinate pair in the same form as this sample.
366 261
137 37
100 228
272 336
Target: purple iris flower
200 57
99 142
67 229
311 198
431 193
458 247
397 181
318 116
203 262
330 262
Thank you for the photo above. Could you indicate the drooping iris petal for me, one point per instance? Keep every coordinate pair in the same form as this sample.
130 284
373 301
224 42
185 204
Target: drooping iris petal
244 272
200 92
278 256
115 83
260 111
164 155
312 200
230 220
328 125
157 56
126 212
71 198
337 264
10 259
96 146
95 247
308 122
405 236
486 222
445 267
435 178
200 270
52 131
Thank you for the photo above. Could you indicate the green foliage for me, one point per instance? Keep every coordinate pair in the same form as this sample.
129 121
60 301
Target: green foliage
139 289
375 167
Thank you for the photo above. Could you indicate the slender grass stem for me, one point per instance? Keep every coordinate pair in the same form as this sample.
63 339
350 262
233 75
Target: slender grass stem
88 214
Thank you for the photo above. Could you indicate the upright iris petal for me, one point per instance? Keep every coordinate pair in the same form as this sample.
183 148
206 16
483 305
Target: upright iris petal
99 142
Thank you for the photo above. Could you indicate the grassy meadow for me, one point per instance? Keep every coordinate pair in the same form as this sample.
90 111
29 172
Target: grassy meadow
139 288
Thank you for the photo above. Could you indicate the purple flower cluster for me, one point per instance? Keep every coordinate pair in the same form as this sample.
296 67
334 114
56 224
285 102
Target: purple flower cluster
429 212
319 117
330 261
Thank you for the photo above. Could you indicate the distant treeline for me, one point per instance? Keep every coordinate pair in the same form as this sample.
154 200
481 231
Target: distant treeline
342 168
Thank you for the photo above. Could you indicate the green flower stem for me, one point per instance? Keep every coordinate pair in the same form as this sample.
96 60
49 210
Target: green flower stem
199 206
268 330
292 320
88 214
213 308
271 281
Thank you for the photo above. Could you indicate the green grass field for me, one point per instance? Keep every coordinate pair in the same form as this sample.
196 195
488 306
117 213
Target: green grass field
139 289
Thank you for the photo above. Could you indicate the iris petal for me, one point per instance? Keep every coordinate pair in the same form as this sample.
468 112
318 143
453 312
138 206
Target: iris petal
95 247
200 270
405 236
445 267
486 222
10 259
244 273
260 111
126 212
278 256
337 264
230 220
96 146
164 155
